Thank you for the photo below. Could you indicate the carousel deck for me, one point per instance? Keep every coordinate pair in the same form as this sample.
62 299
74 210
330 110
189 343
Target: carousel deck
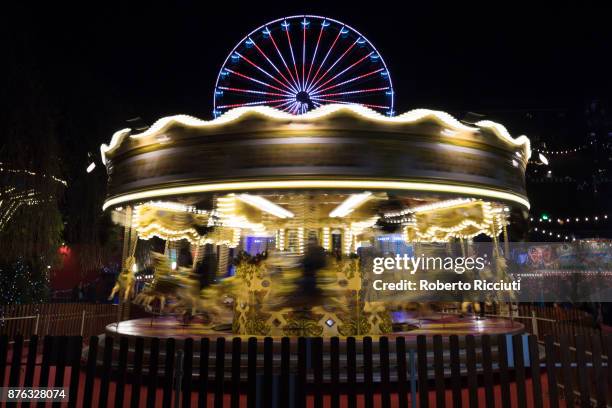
443 324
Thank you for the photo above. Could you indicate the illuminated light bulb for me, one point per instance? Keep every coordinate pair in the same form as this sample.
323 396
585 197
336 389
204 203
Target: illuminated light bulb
335 184
413 116
173 265
350 204
135 268
265 205
543 159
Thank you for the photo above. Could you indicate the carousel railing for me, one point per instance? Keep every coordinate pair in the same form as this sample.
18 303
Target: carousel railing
56 319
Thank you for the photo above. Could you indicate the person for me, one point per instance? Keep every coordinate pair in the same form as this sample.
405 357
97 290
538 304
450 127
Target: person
81 292
605 318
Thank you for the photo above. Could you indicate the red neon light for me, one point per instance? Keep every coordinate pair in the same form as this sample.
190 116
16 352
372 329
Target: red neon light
341 72
326 55
264 71
273 65
334 64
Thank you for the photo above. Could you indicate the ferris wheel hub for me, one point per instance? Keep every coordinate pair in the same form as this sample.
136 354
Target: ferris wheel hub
303 97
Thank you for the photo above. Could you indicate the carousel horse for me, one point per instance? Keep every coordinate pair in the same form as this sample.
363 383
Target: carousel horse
124 286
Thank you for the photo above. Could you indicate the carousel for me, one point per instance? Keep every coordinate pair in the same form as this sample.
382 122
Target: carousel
259 221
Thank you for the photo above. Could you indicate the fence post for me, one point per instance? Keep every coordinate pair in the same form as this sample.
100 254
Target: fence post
178 378
534 323
82 322
36 325
413 385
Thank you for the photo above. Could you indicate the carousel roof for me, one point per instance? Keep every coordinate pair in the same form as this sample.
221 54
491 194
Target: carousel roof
332 147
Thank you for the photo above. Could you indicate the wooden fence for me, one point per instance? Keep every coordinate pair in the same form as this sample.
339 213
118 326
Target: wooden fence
485 370
71 319
556 321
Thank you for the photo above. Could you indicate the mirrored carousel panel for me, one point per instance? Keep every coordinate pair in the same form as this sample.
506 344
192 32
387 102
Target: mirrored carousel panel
263 223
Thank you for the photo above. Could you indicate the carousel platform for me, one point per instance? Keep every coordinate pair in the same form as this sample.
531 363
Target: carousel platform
443 324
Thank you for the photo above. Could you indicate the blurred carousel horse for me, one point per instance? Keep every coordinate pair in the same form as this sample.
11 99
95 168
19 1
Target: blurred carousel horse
124 286
497 271
306 283
180 285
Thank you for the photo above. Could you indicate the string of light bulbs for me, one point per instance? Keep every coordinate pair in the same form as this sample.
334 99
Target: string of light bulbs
566 150
553 234
547 219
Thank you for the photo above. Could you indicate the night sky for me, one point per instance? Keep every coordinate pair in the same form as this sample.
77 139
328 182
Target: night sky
534 69
161 60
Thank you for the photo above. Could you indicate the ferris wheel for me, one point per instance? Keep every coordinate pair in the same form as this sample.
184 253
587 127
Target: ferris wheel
299 63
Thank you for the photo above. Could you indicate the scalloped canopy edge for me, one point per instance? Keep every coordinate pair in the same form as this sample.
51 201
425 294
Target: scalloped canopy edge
412 116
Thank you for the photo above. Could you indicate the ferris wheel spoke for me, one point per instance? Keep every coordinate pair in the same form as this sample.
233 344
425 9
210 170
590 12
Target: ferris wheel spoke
291 86
304 54
296 110
292 108
359 61
280 54
358 91
251 91
327 55
263 102
264 71
333 65
258 81
314 55
292 55
283 105
358 77
369 105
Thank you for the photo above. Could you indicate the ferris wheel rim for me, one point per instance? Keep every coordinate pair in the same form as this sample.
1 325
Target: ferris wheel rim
246 37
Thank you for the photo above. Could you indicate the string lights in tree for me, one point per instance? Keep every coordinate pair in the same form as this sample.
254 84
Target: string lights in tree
22 283
19 188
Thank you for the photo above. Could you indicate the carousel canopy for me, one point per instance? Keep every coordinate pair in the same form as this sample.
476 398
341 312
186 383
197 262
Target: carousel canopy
335 147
